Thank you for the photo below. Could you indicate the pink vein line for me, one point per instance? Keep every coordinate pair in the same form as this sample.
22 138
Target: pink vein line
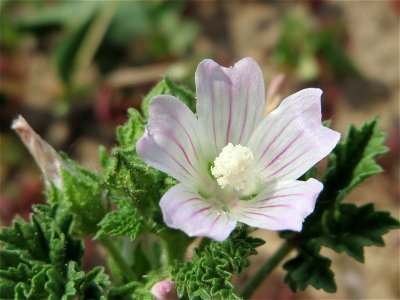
280 132
188 136
177 162
213 112
283 151
214 222
199 211
245 116
275 197
174 208
259 214
186 156
161 164
272 206
287 164
230 114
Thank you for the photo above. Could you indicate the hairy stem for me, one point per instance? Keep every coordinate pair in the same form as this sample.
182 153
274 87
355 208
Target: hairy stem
118 259
266 269
174 244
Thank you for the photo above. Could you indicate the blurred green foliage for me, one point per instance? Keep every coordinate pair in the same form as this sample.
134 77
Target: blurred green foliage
303 45
90 27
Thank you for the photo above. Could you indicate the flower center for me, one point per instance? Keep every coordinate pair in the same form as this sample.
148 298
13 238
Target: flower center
232 167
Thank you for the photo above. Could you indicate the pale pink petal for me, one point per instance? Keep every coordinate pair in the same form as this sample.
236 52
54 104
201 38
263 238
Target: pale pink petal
186 210
230 101
165 290
280 206
171 142
292 139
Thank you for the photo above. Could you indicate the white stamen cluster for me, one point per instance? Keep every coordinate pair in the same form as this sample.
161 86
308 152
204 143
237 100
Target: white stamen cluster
232 167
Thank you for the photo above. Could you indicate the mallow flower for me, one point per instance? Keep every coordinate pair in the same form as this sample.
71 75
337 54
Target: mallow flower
233 164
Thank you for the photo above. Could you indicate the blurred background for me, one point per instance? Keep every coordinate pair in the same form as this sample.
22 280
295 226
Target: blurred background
72 68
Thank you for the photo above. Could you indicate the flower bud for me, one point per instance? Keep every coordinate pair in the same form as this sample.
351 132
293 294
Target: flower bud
165 290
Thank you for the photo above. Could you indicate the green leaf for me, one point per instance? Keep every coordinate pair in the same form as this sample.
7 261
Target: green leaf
65 13
123 292
128 174
309 267
126 220
332 49
136 189
351 228
65 53
130 22
168 87
134 186
45 239
208 275
179 34
43 260
352 161
80 45
82 195
342 227
23 282
132 130
95 284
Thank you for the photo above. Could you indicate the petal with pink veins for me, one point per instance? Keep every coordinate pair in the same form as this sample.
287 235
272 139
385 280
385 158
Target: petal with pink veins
280 206
186 210
292 139
171 142
230 102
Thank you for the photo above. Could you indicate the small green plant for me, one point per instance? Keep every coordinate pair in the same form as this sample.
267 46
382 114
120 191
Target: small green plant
121 207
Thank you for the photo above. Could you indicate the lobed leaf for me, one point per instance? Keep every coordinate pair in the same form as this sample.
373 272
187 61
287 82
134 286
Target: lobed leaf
342 227
82 196
208 275
126 220
309 268
352 161
168 87
351 228
43 261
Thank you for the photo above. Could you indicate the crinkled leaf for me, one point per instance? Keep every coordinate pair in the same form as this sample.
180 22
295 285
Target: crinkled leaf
129 175
124 292
23 281
95 284
126 220
43 260
82 196
45 239
168 87
132 130
208 275
126 176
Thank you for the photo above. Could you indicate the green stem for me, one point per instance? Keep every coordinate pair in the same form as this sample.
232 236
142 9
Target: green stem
266 269
174 244
94 36
118 259
204 243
